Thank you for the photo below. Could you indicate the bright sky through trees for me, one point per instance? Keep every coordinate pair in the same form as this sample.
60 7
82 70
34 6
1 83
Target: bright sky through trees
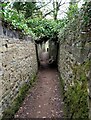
49 7
63 8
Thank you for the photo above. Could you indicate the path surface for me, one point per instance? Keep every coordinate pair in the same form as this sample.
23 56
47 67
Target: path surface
44 99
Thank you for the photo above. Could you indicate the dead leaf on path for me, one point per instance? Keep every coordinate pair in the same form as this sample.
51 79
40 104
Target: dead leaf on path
61 111
39 106
38 112
27 113
52 111
45 104
44 117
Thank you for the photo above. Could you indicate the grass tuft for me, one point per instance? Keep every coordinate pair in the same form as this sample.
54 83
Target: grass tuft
10 112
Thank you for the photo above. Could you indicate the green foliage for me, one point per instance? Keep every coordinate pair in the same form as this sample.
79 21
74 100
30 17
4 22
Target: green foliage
86 13
72 12
76 94
27 8
36 27
17 20
44 27
72 21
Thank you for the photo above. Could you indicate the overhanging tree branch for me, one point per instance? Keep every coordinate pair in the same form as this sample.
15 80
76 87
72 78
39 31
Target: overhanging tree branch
52 11
56 7
48 13
44 5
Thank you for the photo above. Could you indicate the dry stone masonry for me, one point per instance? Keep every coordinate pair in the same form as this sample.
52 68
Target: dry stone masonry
75 69
18 65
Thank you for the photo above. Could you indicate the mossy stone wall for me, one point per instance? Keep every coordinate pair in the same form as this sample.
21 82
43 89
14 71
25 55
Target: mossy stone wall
75 69
18 66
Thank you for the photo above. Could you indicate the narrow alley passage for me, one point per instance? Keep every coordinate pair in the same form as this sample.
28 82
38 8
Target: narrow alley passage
45 97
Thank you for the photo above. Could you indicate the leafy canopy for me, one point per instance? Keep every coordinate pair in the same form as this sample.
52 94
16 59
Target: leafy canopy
34 26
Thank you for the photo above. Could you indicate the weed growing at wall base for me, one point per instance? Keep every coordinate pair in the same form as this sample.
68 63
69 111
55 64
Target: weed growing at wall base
10 112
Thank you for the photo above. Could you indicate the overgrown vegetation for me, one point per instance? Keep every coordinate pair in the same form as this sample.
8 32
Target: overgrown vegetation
86 13
31 25
76 95
32 22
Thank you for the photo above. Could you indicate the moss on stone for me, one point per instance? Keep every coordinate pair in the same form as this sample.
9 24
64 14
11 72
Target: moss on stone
62 84
87 65
10 112
76 95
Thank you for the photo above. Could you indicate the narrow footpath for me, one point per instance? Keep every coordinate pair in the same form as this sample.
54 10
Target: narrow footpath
45 97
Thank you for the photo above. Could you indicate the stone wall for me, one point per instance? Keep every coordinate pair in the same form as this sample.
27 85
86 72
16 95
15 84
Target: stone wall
74 67
19 65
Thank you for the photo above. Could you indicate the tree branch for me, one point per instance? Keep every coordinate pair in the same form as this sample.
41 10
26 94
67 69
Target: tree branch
44 5
60 2
47 13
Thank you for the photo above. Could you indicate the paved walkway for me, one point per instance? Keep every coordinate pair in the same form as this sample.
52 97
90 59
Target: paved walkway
45 98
